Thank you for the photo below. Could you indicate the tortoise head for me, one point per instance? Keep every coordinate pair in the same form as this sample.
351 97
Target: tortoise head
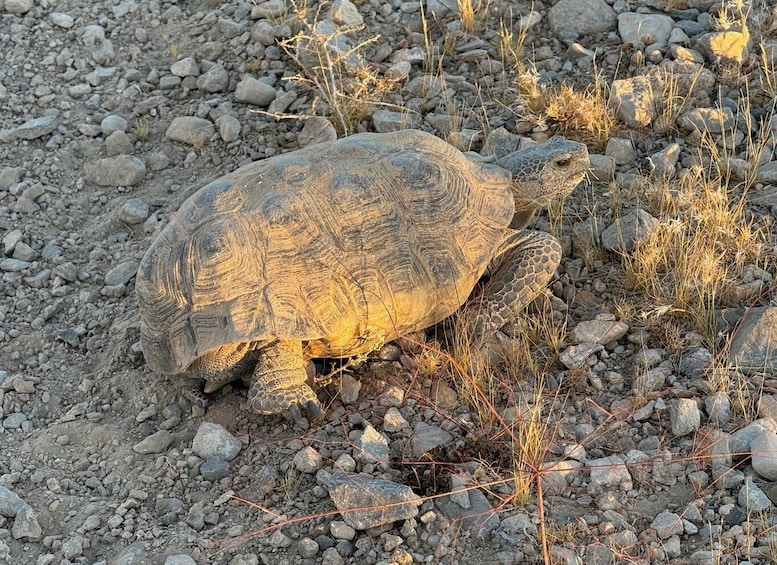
544 173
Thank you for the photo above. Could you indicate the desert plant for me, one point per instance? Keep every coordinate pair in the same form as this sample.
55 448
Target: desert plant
347 88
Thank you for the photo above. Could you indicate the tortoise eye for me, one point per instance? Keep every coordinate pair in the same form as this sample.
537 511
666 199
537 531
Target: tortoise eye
563 162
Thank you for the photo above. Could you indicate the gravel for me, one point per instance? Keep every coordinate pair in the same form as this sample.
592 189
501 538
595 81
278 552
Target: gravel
114 112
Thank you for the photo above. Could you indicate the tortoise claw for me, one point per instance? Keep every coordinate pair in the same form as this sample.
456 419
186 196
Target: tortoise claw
192 390
295 412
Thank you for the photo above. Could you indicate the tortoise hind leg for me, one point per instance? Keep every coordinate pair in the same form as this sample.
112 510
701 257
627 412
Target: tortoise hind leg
279 381
213 370
519 272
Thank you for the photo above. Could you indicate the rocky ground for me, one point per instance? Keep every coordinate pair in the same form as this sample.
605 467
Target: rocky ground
113 112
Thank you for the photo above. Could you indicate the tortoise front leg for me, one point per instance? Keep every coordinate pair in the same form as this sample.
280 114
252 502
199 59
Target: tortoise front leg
524 266
213 370
279 381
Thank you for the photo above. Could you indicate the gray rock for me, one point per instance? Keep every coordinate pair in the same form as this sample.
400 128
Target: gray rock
379 501
269 9
398 71
122 170
112 123
180 559
344 13
564 556
307 548
729 47
254 92
308 460
696 362
73 547
11 240
229 28
557 475
602 167
624 232
752 498
646 29
712 120
38 127
118 143
14 421
622 150
134 554
426 438
341 530
763 450
443 396
388 121
649 357
331 557
393 421
10 503
753 347
349 389
601 331
633 100
25 525
392 396
263 32
316 130
18 6
572 18
740 441
610 471
9 176
213 441
282 102
155 443
500 143
477 516
767 406
665 161
345 463
667 524
186 67
441 8
279 540
699 480
229 127
191 130
519 523
460 491
121 273
215 79
720 454
61 19
685 416
575 356
134 211
718 407
372 446
767 173
214 469
598 554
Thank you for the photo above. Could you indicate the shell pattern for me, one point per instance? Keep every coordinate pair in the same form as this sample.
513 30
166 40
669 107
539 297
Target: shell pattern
343 245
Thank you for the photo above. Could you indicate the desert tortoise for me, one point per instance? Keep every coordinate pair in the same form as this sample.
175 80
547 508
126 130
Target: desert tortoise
337 248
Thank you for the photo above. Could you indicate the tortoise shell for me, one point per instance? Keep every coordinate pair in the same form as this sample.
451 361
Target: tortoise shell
343 245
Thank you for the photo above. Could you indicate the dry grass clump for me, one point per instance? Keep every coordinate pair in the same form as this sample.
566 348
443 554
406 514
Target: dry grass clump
345 86
581 114
690 262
